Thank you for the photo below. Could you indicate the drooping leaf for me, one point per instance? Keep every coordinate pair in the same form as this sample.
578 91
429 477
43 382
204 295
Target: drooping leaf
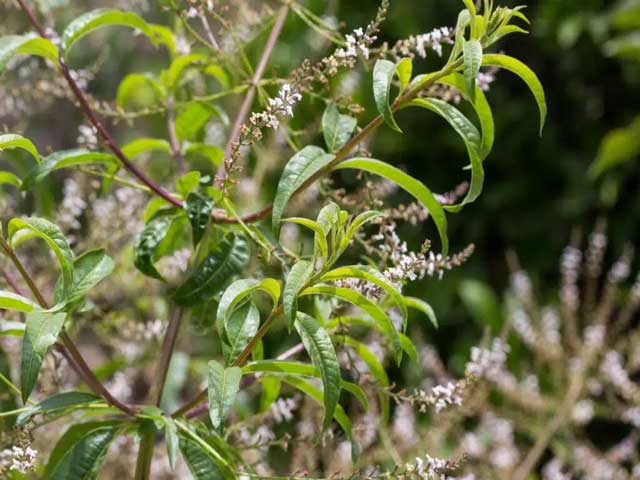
299 275
526 74
202 464
320 236
8 178
21 229
66 159
223 386
13 301
240 290
198 209
12 45
366 305
80 451
10 141
229 257
239 328
472 51
423 307
416 188
336 128
139 146
383 73
100 18
41 331
368 274
300 168
147 242
617 147
88 269
469 134
318 344
58 402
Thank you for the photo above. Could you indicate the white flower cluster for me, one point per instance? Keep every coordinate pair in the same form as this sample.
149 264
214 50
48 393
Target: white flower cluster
612 368
446 396
429 468
282 105
553 471
632 416
582 412
87 136
283 408
484 80
488 363
21 459
358 41
72 206
434 40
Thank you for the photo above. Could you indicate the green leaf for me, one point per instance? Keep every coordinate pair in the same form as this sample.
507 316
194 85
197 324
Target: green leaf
100 18
376 369
239 328
12 45
203 462
383 73
299 275
366 305
13 301
192 119
10 141
230 257
481 107
139 146
8 178
66 159
618 146
472 15
52 235
423 307
481 303
58 402
141 90
198 209
300 168
41 331
357 223
314 393
88 270
469 134
238 291
472 51
11 329
370 275
318 344
302 369
171 438
80 451
336 128
146 244
320 237
526 74
404 70
212 153
224 384
410 185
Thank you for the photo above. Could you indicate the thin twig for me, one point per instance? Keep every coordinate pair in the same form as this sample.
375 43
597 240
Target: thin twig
173 136
166 352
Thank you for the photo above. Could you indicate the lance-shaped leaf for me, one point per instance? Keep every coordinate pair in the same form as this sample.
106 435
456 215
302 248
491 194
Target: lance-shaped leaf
526 74
300 168
41 331
66 159
146 244
81 450
10 141
239 329
229 257
471 137
383 73
373 276
21 229
13 45
204 462
404 70
298 277
366 305
416 188
320 236
139 146
336 128
481 107
8 178
198 209
375 368
472 51
305 370
238 291
59 402
318 344
423 307
100 18
356 224
13 301
223 386
88 269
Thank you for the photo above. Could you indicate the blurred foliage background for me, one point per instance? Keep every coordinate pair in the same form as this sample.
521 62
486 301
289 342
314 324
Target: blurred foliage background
587 55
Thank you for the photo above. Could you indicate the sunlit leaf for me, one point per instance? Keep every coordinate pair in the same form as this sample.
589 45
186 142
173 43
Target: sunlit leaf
297 278
12 45
10 141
